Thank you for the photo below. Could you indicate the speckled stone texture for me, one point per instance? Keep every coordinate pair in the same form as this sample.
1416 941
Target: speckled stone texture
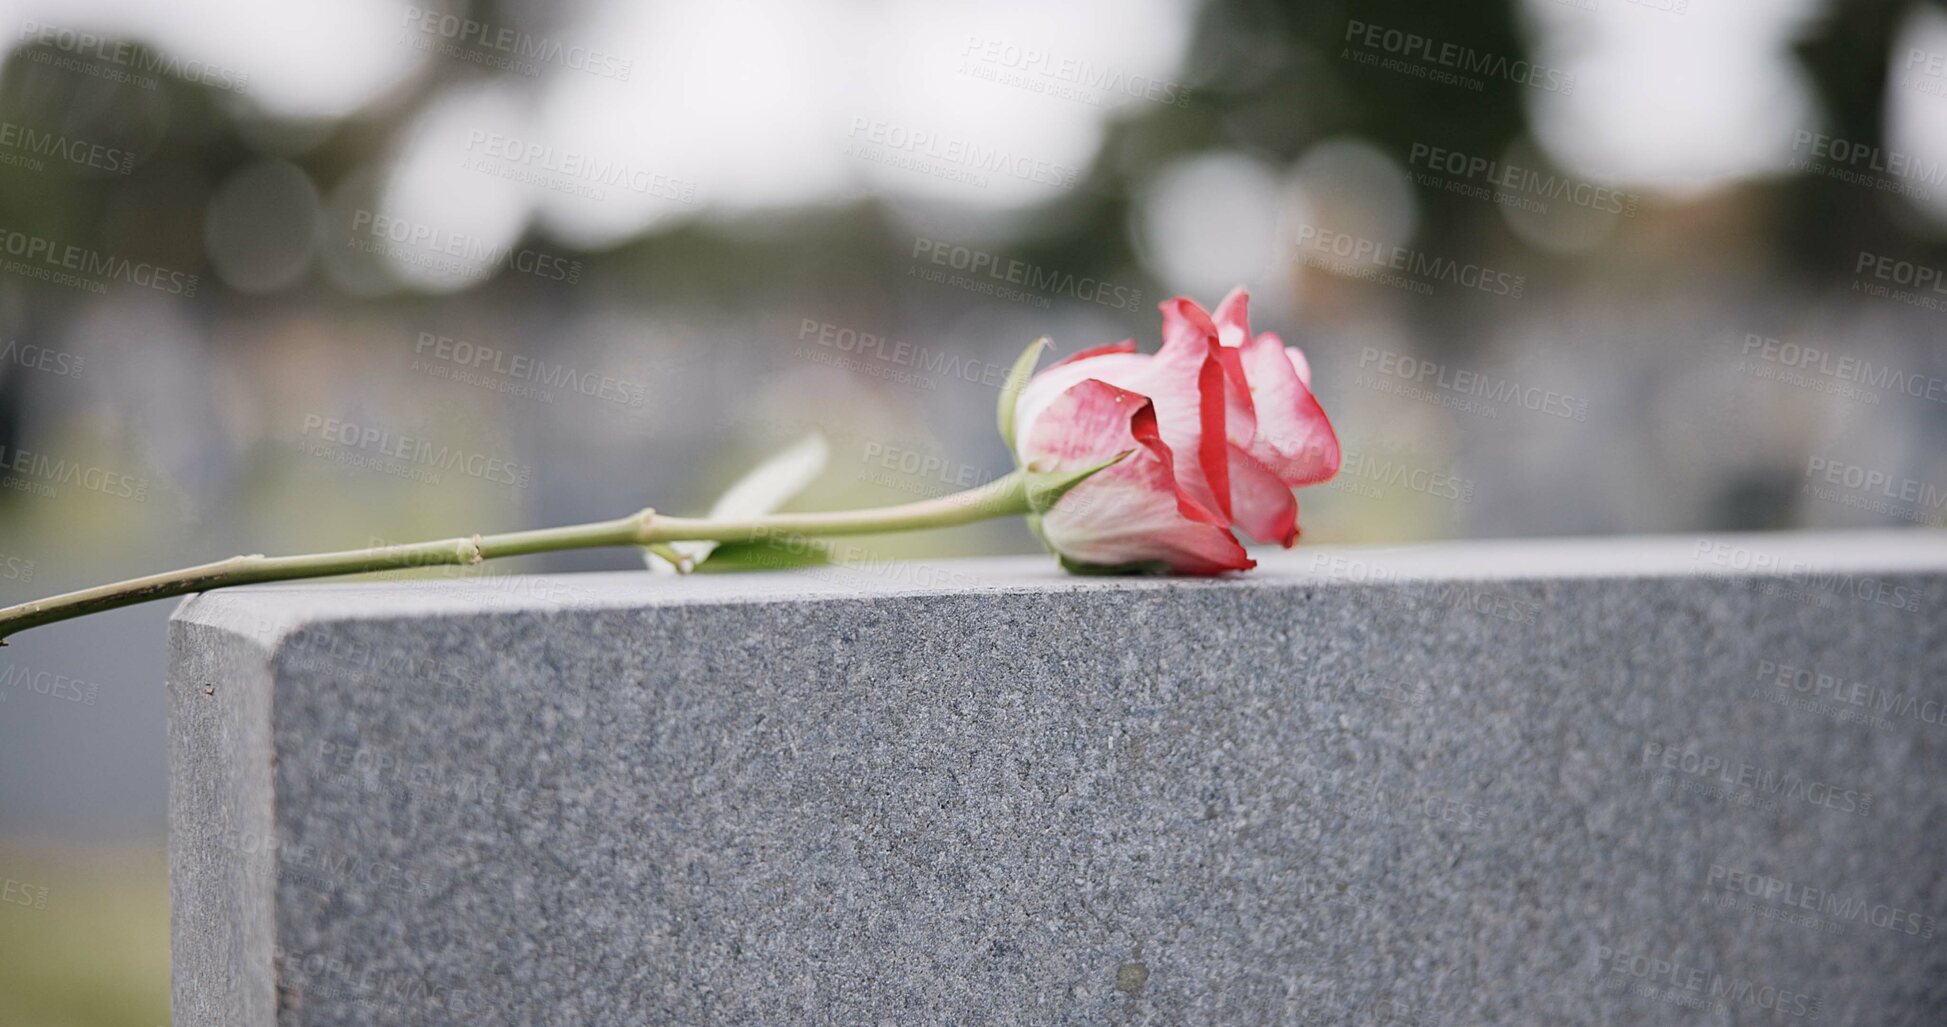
1675 780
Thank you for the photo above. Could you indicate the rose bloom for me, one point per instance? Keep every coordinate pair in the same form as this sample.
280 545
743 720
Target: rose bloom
1214 430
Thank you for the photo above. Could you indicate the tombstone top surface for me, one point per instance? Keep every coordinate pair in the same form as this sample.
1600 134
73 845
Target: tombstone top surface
268 612
1445 777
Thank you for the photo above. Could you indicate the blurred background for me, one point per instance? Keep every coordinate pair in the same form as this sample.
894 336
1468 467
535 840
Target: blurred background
286 276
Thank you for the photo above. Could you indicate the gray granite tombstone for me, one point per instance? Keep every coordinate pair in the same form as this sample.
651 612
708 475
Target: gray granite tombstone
1671 780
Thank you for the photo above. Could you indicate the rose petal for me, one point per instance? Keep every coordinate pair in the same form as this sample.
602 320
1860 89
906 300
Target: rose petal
1134 511
1185 325
1188 385
1048 384
1240 412
1233 318
1125 346
1298 361
1293 436
1261 504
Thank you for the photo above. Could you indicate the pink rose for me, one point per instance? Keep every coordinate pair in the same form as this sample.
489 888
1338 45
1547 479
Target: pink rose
1215 429
1127 462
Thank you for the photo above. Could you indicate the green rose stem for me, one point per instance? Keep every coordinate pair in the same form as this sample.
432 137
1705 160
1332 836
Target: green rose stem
1015 494
1022 493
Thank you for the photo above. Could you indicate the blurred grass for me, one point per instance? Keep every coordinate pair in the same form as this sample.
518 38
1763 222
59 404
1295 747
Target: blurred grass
96 954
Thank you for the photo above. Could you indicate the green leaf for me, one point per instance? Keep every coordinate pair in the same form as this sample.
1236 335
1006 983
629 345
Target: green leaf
1017 378
768 555
761 490
1045 488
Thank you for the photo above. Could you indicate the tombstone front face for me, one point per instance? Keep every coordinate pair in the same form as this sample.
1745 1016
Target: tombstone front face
1594 783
